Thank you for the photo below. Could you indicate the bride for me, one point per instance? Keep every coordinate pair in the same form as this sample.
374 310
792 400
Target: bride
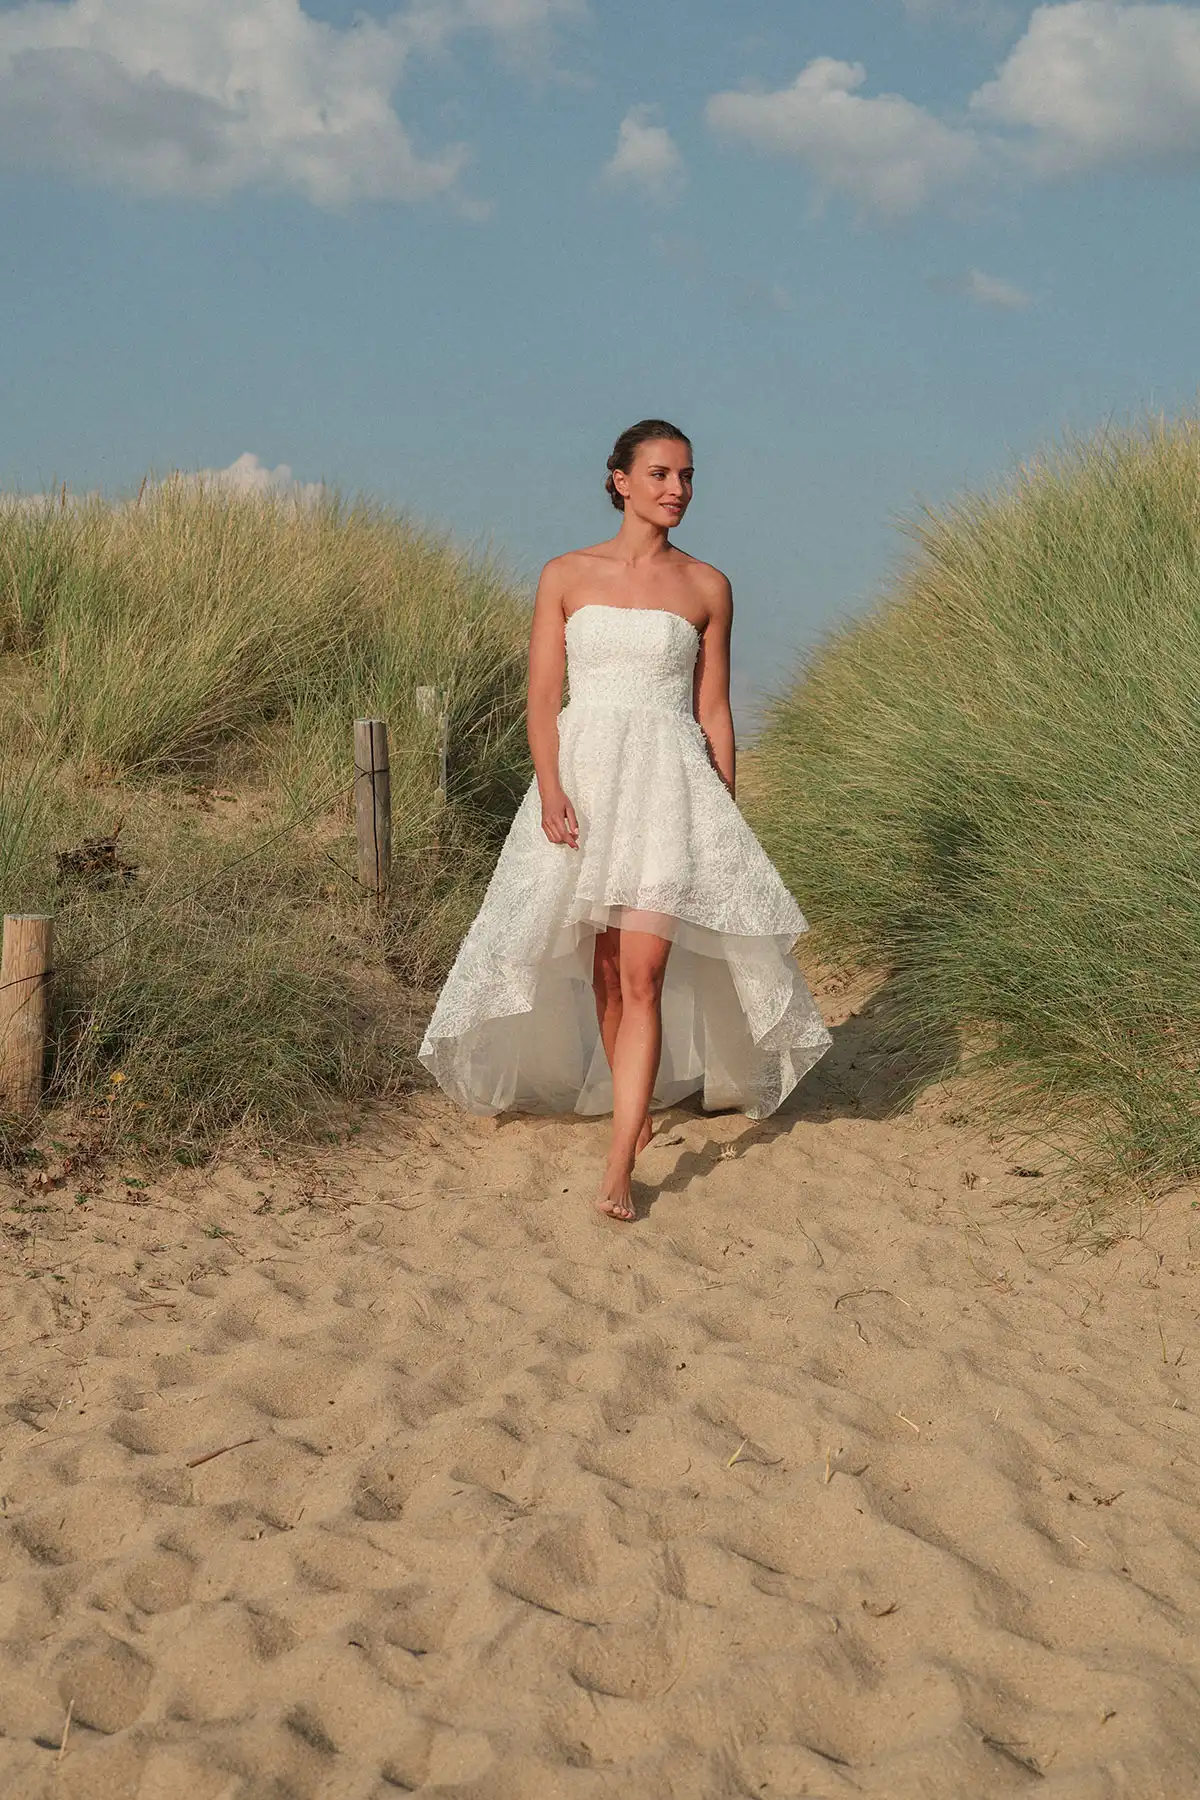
634 943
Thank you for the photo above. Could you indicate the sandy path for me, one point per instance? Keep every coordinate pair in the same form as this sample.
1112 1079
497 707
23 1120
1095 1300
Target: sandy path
833 1476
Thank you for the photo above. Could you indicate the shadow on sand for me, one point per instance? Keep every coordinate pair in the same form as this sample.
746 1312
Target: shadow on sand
874 1069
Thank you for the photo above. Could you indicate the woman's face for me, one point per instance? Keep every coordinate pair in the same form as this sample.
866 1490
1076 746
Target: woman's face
658 486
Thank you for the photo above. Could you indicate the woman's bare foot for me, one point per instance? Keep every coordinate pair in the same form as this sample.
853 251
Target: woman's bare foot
615 1200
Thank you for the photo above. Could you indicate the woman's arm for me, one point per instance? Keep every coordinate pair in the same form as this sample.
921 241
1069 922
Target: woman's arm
710 690
547 666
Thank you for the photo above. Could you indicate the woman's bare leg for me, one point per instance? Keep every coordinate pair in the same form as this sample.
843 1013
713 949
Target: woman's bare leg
637 1047
606 985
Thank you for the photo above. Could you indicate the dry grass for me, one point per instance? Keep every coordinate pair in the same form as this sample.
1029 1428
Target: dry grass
992 786
188 667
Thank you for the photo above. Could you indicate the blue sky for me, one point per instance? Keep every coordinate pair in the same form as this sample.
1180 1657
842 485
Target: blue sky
867 252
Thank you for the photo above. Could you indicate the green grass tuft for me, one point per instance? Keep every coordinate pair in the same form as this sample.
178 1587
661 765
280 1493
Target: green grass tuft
188 668
992 786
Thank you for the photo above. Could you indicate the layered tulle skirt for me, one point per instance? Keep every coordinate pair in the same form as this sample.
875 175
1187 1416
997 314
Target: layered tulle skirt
662 848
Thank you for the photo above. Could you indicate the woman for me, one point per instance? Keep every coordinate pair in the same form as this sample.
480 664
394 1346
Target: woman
634 942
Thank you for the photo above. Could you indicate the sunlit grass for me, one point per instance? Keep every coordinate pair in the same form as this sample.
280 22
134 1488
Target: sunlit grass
188 667
993 786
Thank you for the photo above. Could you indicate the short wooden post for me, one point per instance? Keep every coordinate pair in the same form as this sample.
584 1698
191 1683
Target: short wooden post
25 968
373 804
431 704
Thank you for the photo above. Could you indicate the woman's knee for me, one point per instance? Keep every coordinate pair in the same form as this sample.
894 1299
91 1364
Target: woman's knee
642 984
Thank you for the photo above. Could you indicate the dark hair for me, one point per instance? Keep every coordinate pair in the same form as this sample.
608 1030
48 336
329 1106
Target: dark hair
646 431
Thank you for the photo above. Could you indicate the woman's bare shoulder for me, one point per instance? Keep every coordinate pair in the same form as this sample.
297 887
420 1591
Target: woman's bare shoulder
587 553
709 583
569 563
705 574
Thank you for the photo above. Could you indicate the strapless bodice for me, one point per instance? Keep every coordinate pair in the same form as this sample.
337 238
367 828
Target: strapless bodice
633 658
661 848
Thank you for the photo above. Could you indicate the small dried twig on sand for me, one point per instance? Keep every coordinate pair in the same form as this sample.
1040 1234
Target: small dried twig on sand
1014 1753
767 1462
194 1462
857 1294
816 1248
62 1748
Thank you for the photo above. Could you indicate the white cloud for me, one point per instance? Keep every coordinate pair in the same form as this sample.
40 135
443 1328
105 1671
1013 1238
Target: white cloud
250 476
202 97
1093 81
245 475
1090 82
986 290
37 503
884 152
646 156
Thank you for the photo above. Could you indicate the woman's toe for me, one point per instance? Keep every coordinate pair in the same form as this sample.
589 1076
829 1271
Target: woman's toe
613 1208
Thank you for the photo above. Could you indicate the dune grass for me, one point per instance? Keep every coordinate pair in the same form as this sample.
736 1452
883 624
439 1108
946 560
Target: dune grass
992 786
188 667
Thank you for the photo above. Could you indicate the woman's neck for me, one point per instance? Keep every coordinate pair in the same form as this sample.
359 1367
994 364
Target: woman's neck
639 541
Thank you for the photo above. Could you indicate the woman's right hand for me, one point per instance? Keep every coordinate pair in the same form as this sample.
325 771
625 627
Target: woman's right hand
558 819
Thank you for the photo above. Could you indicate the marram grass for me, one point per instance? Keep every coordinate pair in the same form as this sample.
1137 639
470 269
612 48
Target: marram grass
992 786
189 667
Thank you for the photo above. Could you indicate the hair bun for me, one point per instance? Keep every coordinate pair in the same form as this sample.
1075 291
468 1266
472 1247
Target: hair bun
626 448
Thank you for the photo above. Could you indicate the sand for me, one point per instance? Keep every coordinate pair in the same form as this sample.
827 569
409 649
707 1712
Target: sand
840 1473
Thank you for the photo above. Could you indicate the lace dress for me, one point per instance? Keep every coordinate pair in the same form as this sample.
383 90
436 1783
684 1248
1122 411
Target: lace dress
662 847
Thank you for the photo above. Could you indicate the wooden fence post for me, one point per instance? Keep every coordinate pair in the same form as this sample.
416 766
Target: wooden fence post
25 968
432 704
373 804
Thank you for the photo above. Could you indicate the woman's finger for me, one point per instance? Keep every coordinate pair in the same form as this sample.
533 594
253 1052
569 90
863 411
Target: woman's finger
564 829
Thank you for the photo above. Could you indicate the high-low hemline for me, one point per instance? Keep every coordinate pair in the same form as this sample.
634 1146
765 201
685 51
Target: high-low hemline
661 841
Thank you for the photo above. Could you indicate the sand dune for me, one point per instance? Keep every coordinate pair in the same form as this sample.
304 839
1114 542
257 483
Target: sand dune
837 1474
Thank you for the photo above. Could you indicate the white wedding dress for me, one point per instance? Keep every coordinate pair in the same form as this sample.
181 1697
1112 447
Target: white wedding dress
662 847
